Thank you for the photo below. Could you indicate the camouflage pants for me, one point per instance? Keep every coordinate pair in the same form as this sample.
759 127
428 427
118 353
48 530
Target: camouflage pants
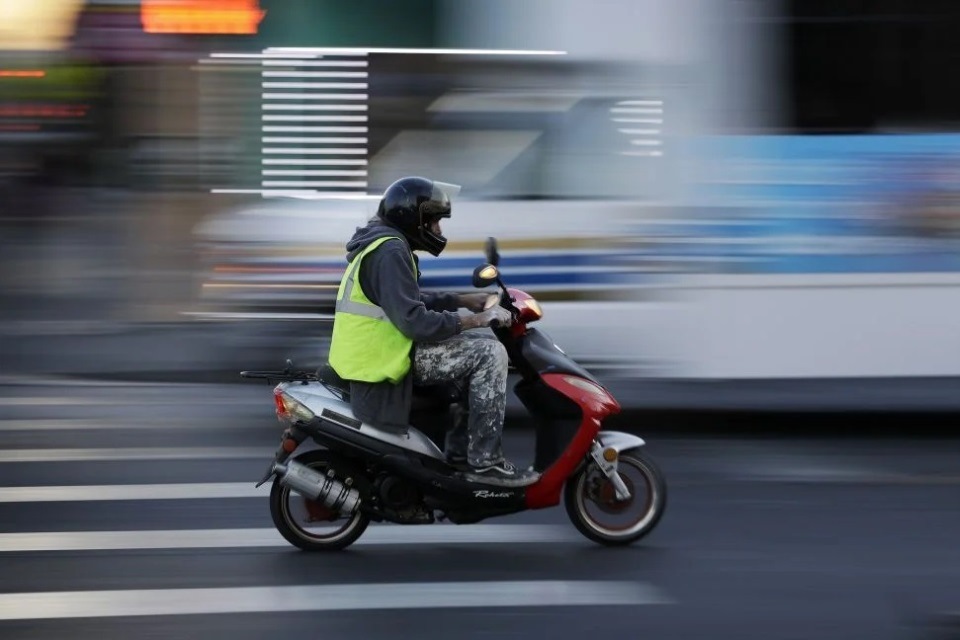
479 363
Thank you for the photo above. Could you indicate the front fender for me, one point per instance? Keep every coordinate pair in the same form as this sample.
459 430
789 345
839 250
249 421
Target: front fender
619 440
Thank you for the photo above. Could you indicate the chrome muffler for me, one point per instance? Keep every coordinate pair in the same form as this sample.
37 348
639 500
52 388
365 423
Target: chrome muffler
335 495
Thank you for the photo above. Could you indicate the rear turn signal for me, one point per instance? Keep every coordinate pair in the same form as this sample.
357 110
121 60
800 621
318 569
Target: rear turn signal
289 410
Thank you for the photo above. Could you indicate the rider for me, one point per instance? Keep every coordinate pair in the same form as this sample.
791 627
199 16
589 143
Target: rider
389 336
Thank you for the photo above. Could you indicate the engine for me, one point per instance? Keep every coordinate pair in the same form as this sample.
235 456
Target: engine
402 501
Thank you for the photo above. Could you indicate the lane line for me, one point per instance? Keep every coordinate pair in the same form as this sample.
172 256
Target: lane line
61 401
113 492
43 541
130 423
841 476
347 597
60 381
808 474
51 401
150 453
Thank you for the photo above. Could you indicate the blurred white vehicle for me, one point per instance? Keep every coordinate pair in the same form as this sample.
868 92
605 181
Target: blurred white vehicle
285 255
282 259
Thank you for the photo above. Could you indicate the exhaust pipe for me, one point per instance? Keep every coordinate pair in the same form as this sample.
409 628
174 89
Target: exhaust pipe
327 489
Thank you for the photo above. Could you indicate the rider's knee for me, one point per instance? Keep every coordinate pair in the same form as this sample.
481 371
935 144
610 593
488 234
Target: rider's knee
495 355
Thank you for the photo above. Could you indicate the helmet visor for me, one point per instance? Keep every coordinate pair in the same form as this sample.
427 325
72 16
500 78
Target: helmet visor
438 206
444 191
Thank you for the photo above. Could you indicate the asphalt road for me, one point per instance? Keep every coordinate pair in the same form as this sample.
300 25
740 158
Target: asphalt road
764 538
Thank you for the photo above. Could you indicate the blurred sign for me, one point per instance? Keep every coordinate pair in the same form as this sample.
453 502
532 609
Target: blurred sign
48 103
37 25
201 16
21 74
821 204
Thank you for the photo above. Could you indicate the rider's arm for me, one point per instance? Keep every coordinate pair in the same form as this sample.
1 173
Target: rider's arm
440 301
387 278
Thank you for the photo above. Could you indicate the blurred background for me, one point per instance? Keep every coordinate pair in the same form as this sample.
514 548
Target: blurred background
697 190
729 207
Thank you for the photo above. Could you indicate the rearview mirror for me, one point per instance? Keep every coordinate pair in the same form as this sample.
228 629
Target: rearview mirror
485 275
490 249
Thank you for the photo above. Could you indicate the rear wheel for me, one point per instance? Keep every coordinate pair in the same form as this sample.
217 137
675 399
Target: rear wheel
591 501
308 524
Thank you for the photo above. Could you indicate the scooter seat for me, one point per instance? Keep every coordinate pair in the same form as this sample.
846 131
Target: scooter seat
329 377
425 398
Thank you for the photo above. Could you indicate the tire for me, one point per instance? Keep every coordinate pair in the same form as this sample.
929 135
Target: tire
282 499
578 489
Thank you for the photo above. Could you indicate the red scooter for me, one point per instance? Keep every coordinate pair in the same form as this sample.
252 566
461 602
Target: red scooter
324 499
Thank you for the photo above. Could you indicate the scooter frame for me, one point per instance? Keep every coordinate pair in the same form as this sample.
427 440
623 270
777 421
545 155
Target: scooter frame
567 403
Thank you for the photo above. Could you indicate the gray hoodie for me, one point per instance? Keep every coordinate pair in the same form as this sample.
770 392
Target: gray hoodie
389 281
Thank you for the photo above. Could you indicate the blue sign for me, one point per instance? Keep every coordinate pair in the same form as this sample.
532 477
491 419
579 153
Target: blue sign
820 204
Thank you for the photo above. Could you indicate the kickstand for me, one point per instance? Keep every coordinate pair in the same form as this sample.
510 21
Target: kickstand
267 475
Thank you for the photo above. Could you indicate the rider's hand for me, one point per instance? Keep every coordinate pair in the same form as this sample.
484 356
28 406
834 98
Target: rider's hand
484 319
473 301
498 314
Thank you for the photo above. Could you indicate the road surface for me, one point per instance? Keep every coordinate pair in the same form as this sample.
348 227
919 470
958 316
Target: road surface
128 511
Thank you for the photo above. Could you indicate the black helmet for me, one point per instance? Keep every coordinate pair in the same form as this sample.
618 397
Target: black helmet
412 204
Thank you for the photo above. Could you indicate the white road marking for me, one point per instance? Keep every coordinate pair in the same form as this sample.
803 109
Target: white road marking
60 381
39 541
345 597
117 424
818 474
109 492
751 463
169 400
150 453
826 475
50 401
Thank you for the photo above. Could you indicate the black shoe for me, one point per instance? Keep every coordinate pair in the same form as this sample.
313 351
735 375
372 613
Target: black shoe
503 472
457 461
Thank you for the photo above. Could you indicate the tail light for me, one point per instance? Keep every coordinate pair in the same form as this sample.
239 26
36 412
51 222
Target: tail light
290 410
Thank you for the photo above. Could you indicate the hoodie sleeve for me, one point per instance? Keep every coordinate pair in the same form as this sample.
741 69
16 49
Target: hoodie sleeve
388 280
437 301
440 301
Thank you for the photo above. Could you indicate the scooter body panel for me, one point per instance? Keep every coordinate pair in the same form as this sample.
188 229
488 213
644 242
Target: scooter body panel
411 456
327 406
619 440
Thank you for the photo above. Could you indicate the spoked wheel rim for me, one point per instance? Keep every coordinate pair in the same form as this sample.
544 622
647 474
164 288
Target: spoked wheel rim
311 519
596 499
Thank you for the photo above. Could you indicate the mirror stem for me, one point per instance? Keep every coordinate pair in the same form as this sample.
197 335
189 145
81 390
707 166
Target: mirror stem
504 288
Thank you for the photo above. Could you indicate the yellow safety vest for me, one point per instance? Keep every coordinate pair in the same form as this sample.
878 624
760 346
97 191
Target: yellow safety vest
365 345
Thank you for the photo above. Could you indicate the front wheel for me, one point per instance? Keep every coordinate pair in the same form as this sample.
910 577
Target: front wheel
308 524
592 504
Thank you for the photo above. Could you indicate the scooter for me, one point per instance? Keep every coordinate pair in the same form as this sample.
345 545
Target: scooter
324 498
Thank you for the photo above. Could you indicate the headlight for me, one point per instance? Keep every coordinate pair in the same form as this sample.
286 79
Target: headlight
534 306
586 385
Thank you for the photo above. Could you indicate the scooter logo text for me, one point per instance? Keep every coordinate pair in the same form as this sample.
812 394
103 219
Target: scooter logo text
484 493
